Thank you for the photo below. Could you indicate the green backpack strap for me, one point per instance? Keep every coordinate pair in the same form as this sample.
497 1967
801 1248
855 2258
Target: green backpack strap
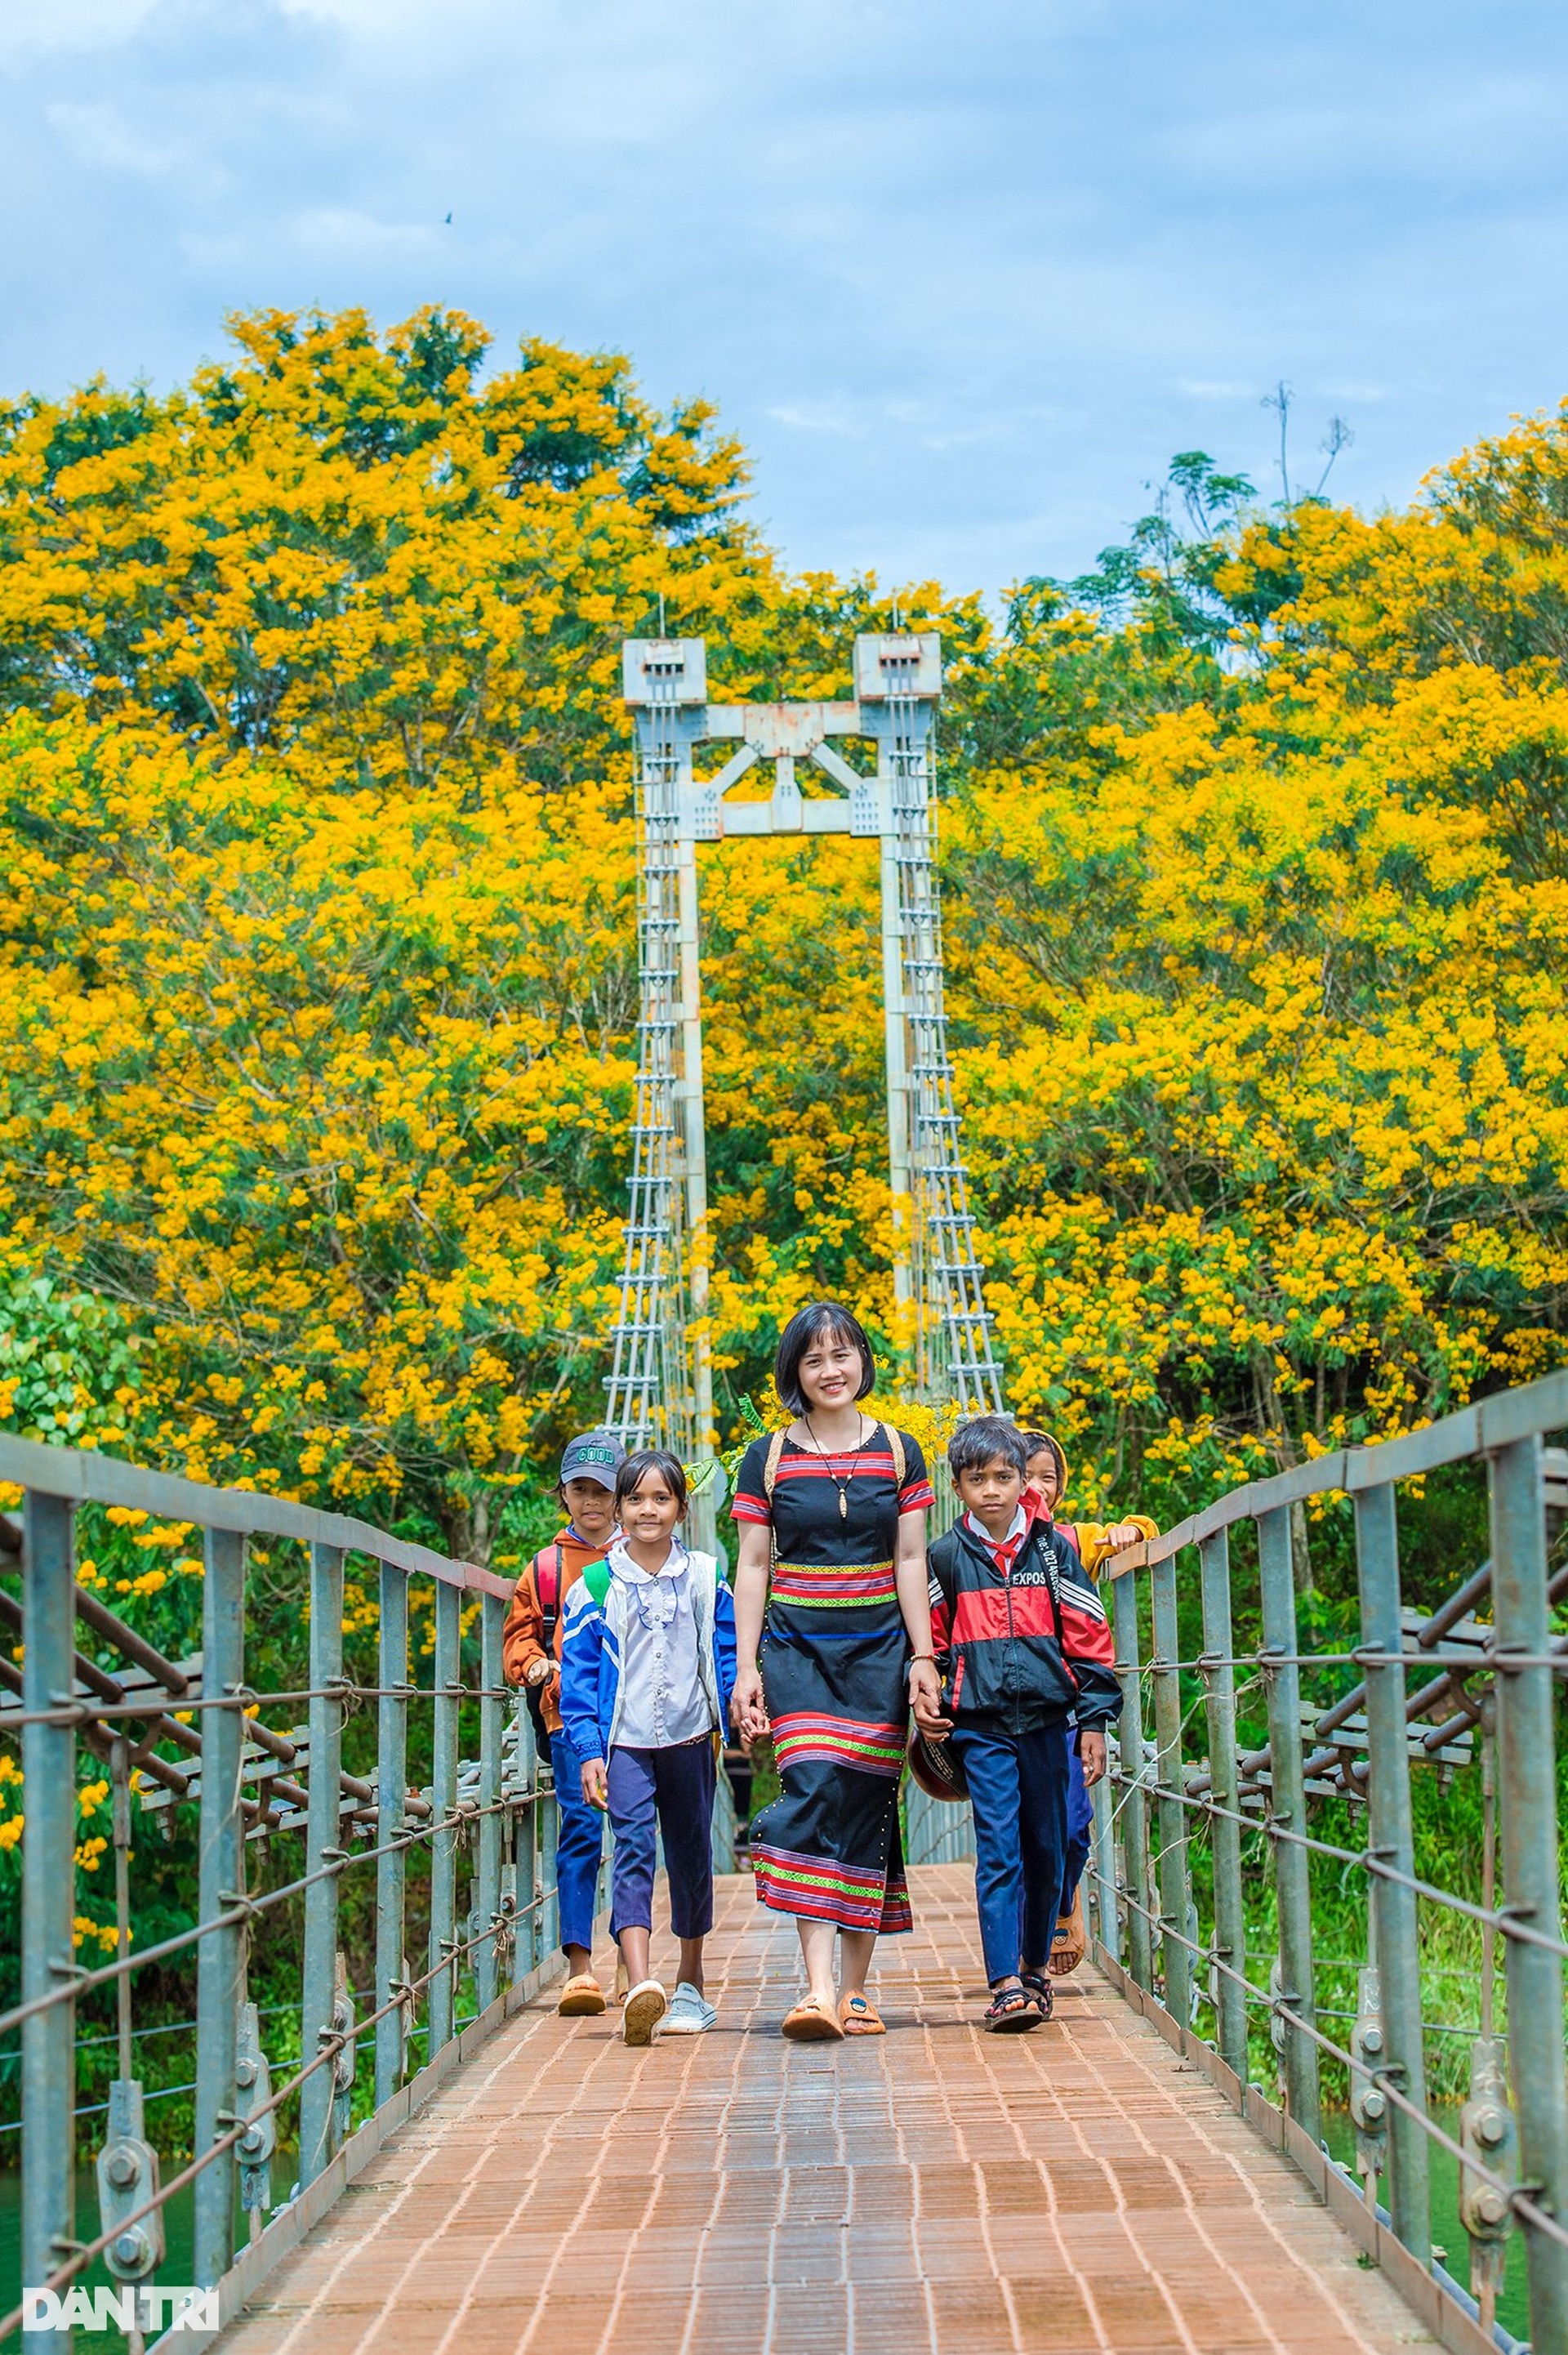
596 1578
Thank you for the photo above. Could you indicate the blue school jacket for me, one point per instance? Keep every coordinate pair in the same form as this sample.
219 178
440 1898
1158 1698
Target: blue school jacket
595 1624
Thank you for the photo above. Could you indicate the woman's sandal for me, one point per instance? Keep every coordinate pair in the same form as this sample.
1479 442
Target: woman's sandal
1037 1987
812 2022
1012 2011
858 2016
1070 1942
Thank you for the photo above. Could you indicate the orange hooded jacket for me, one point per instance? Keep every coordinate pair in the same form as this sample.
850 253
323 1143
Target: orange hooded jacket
548 1578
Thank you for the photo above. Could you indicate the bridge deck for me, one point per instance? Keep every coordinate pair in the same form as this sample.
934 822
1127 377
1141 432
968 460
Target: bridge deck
938 2188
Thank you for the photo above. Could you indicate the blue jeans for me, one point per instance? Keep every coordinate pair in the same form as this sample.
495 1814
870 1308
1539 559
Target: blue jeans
579 1846
1080 1822
1018 1789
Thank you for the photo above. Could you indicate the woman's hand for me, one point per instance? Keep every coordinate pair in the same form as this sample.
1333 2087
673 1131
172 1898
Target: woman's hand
748 1706
595 1785
925 1700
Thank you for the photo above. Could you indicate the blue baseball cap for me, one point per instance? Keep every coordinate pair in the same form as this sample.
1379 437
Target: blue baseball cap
593 1455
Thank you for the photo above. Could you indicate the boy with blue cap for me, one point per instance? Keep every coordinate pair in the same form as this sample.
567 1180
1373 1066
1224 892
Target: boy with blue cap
531 1657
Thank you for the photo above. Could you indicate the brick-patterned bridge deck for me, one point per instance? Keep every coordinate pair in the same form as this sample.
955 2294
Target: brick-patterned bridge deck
936 2189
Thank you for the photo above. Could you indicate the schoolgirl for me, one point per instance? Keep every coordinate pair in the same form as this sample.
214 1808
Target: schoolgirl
647 1669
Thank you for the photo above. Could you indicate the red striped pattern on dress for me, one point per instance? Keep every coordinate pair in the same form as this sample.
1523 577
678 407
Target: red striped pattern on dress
826 1890
915 1496
813 1585
843 1741
897 1912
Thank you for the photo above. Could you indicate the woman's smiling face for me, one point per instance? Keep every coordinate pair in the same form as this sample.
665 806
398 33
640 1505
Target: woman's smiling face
830 1371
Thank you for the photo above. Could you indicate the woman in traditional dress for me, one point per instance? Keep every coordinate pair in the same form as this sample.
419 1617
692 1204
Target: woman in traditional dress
833 1555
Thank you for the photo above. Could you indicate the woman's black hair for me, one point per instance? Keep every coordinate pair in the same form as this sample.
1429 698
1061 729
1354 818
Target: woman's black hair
629 1476
1033 1441
808 1325
978 1442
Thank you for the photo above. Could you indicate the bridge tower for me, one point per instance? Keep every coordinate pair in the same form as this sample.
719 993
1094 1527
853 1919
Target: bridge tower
660 1388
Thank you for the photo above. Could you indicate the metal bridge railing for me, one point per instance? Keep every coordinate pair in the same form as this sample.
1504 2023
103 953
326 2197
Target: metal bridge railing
191 1741
1444 1691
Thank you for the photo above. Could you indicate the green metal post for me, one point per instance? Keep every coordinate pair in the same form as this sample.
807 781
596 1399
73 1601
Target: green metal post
220 1982
1134 1801
1391 1840
48 1887
1527 1757
321 1846
391 1788
529 1948
487 1900
549 1813
443 1846
1224 1830
1175 1883
1288 1814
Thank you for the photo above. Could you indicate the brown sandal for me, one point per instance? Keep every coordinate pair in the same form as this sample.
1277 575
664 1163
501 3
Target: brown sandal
1071 1940
858 2017
812 2022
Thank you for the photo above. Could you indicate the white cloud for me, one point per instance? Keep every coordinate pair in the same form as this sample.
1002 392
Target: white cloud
70 24
334 235
959 283
97 136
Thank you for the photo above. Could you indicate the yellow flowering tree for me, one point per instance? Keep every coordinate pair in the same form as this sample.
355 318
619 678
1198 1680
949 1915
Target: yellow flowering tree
1267 1076
316 914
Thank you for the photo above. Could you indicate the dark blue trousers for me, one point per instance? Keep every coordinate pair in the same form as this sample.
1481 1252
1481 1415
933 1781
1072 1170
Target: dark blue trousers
669 1793
1080 1822
1018 1789
579 1846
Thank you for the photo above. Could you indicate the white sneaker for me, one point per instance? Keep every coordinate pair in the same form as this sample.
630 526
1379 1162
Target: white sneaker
645 2007
690 2014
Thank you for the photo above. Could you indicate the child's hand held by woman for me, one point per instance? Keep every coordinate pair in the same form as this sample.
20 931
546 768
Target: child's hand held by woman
747 1706
925 1700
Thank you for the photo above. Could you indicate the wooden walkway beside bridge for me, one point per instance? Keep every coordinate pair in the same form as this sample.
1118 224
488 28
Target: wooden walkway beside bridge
1082 2190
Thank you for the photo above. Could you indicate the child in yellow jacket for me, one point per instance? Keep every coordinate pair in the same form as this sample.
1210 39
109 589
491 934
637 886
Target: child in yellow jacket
1096 1542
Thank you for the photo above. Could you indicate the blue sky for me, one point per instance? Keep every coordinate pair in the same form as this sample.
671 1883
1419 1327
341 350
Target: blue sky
962 276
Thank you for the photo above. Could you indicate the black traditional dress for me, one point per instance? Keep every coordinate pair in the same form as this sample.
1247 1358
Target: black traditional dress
834 1660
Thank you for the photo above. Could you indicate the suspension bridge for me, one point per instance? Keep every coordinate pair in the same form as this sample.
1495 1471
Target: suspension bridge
1249 2126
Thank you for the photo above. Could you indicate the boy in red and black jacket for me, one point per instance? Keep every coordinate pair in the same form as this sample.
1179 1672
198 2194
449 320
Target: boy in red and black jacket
1023 1639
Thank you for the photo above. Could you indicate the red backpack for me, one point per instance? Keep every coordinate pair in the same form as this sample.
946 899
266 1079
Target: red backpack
547 1586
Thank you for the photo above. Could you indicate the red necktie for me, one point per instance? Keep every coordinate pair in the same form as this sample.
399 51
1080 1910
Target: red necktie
1005 1552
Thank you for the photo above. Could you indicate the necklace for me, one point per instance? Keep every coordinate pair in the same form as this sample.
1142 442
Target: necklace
841 1484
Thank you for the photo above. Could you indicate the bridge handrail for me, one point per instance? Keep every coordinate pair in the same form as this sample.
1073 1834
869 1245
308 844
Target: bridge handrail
1476 1430
254 1780
1156 1807
83 1476
1179 1948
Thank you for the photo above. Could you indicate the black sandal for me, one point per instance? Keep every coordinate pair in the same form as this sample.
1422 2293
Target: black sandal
1037 1987
1012 2011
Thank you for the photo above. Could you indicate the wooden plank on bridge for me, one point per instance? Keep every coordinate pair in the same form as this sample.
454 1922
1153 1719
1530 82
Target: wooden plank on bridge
940 2190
